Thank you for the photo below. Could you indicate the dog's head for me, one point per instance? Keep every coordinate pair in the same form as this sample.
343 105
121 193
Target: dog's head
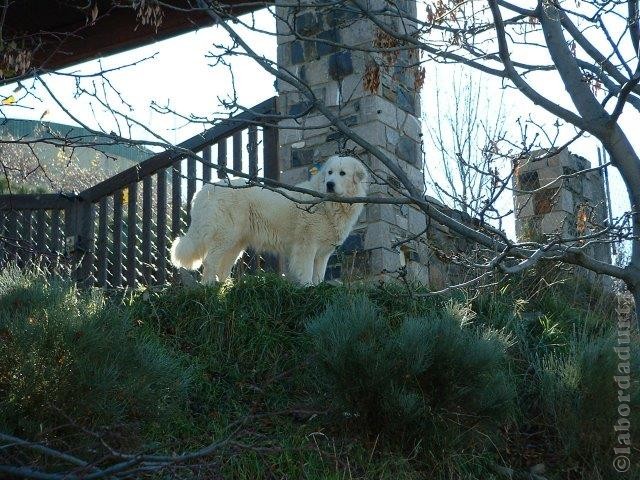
344 176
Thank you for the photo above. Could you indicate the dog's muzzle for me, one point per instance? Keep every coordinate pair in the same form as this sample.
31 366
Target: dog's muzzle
331 187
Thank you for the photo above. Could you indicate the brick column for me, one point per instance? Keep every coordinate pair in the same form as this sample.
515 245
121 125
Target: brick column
384 109
566 207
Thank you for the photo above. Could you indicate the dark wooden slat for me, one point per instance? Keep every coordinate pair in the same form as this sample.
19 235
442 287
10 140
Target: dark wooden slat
271 170
161 222
206 165
252 147
237 151
176 208
147 191
86 250
11 233
25 249
102 263
270 153
191 184
132 222
222 158
55 246
70 226
168 157
48 201
41 230
176 200
116 281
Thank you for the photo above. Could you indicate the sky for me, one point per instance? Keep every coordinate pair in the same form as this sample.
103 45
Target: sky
182 77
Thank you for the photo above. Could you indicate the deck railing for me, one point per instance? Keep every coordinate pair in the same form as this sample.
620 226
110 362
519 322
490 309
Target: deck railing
118 232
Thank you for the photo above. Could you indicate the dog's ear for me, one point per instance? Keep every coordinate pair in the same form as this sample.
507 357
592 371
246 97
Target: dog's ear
317 180
360 174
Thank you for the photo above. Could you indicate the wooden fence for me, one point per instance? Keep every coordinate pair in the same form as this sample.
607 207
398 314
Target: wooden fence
118 232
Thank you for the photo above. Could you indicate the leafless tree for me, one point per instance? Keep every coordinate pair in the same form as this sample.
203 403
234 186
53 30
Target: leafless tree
589 47
467 138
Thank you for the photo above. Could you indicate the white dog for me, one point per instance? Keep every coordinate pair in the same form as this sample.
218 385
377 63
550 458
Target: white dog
226 220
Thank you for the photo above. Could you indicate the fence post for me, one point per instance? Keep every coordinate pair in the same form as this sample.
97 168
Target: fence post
272 263
79 240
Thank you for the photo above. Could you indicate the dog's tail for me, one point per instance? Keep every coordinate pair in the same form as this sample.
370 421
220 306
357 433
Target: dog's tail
186 253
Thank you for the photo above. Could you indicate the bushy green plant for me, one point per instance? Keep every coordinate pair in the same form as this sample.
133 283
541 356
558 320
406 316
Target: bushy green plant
579 399
70 353
431 378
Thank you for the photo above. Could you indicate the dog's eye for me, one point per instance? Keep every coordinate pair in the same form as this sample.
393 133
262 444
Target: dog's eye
330 172
342 174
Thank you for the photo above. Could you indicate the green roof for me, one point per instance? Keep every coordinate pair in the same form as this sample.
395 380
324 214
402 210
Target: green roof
35 129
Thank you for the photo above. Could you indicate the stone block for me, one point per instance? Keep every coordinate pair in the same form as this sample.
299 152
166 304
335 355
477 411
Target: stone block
287 136
406 100
418 273
417 221
374 108
380 212
528 181
358 33
529 228
298 108
292 176
296 52
565 201
378 235
523 206
384 261
402 222
352 88
411 126
343 14
438 274
372 132
407 150
555 223
323 47
544 201
340 65
302 157
393 137
307 24
548 177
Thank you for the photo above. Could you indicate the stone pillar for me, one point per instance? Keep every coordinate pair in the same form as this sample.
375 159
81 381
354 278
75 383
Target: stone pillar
563 208
374 93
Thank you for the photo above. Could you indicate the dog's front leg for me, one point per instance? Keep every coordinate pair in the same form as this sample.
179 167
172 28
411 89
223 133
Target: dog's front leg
320 266
301 264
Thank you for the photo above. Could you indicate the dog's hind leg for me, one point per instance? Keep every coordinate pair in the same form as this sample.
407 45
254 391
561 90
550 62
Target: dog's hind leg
211 265
228 260
219 261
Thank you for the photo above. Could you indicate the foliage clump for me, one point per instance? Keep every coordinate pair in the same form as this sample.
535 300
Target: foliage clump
434 378
66 354
376 381
582 402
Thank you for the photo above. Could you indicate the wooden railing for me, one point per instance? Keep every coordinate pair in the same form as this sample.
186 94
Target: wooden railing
118 232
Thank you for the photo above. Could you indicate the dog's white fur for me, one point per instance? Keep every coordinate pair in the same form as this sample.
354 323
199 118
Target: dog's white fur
226 220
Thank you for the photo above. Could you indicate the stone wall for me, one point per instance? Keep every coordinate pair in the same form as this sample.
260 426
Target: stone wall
377 95
547 207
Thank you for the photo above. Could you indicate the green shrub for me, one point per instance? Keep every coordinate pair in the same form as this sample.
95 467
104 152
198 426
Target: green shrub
70 353
431 379
579 400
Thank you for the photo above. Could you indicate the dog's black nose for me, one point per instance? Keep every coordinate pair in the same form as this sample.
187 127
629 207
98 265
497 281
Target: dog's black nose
331 187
